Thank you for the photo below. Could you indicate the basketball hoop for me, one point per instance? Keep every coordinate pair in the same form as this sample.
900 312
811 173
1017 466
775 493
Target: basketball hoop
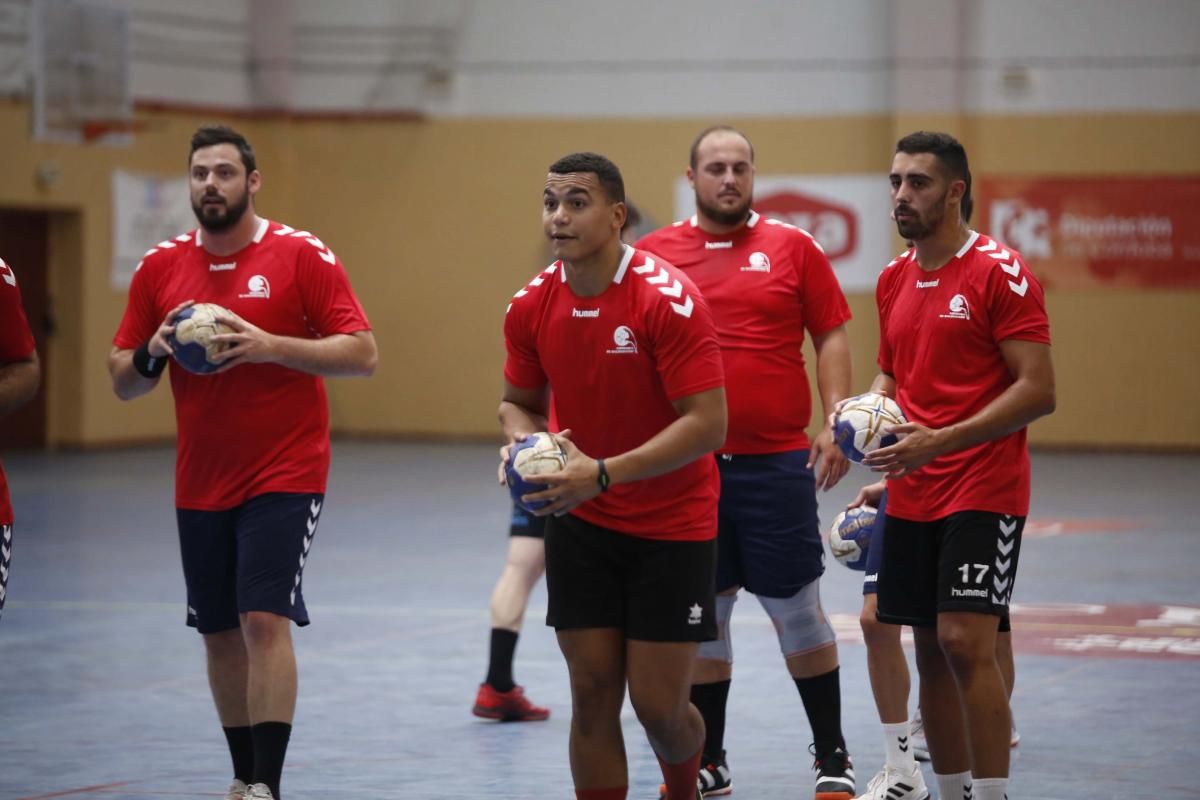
93 130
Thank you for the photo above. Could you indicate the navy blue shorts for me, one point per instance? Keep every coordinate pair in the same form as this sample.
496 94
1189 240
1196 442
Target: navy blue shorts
248 558
875 549
525 524
768 536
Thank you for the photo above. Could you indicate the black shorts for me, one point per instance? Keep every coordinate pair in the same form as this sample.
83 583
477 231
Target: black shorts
248 558
525 524
964 562
768 535
652 590
5 560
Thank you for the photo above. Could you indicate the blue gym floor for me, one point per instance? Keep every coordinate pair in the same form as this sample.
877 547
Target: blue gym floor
103 693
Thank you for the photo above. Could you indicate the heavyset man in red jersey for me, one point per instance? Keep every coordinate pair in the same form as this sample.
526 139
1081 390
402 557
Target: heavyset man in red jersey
253 451
20 373
965 349
767 283
627 345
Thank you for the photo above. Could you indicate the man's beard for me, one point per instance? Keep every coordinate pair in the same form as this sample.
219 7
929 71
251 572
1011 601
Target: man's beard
915 230
722 217
218 219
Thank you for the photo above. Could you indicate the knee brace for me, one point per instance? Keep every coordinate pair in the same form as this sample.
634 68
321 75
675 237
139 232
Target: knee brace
721 648
799 620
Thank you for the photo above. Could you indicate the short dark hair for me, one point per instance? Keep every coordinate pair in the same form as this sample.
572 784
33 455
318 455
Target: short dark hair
208 135
606 172
694 155
950 154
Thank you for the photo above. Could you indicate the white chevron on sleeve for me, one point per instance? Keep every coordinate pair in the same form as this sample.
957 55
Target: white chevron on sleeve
644 268
1019 288
661 277
1003 255
1013 269
284 230
685 308
986 248
674 290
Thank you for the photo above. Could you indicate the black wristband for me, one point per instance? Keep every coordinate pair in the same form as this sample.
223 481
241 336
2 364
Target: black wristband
602 475
148 366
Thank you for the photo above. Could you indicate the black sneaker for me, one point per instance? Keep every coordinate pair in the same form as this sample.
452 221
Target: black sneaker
835 774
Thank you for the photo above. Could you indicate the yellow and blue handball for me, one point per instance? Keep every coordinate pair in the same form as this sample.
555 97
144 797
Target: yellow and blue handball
192 340
850 536
862 424
539 454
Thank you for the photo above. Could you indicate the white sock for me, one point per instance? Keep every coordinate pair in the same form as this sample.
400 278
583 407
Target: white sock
899 747
991 789
954 787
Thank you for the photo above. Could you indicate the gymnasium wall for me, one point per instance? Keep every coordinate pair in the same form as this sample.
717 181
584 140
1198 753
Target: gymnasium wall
425 173
438 224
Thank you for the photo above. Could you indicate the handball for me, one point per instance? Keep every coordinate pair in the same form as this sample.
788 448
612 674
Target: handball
860 426
539 454
192 340
850 536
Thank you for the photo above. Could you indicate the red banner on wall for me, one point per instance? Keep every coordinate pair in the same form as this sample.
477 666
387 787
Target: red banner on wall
1091 232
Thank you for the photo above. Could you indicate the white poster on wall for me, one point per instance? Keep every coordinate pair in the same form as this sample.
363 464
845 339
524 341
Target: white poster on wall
848 214
147 209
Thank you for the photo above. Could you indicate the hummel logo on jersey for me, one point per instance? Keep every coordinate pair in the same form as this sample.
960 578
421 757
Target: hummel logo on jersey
222 267
958 308
624 340
694 614
758 263
258 286
928 284
585 312
718 245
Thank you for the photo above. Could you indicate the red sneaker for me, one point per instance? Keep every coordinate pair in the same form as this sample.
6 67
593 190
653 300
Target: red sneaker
510 706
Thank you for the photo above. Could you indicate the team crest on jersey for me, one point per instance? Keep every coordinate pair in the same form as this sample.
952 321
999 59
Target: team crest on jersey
958 308
758 263
624 340
258 286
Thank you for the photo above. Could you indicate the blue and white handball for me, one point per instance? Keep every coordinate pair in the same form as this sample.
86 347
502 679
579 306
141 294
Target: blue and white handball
861 425
850 536
192 340
539 454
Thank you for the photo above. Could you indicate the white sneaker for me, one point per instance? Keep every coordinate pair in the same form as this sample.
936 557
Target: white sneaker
1015 739
237 791
896 784
916 736
259 791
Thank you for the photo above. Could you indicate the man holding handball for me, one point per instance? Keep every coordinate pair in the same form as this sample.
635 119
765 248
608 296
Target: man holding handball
253 452
628 346
965 350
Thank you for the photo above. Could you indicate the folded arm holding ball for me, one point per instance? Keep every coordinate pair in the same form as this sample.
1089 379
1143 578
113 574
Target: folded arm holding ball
699 430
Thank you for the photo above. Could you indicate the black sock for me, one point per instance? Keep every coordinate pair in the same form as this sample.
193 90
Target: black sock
710 698
500 659
822 698
270 747
241 749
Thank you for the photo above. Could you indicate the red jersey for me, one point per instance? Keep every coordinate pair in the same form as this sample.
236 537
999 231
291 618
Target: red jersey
16 344
766 283
257 428
615 364
940 335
